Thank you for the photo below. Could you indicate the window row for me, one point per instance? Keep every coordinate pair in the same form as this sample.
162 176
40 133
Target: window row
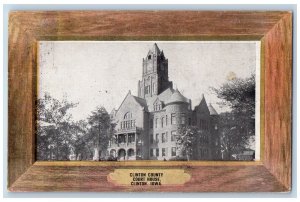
127 124
122 138
163 137
157 107
163 121
147 89
157 152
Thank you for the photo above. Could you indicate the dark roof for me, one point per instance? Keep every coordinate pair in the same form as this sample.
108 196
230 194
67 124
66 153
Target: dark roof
202 107
155 49
163 97
177 97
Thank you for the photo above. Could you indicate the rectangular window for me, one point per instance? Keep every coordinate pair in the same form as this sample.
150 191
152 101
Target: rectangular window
157 151
157 138
163 137
173 151
151 152
131 138
182 118
173 136
166 139
156 122
163 152
173 119
151 123
151 139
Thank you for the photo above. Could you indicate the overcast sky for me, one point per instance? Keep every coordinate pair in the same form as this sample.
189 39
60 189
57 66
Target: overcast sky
102 73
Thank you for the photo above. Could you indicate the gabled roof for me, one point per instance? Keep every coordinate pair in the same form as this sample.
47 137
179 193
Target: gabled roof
128 94
202 107
141 102
177 97
212 110
163 97
157 100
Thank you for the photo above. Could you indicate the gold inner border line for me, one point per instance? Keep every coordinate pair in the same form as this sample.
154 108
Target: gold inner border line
148 163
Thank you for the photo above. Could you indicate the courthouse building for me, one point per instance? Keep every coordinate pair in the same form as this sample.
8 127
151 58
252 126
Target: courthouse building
146 124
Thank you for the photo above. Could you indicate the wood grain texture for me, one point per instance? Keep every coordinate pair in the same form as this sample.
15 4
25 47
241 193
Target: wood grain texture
278 97
93 178
272 28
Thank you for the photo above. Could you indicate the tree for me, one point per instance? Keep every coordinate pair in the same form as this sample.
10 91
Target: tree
53 128
236 127
82 145
186 140
233 135
100 131
239 95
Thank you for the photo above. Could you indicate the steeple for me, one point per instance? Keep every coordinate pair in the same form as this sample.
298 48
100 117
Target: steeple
155 49
155 73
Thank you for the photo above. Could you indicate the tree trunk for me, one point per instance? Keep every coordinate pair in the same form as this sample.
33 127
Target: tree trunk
187 156
96 156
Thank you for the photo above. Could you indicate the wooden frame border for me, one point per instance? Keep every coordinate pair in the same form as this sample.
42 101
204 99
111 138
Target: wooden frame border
273 29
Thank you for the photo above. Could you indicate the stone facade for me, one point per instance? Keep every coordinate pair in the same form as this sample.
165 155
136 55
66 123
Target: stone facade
146 125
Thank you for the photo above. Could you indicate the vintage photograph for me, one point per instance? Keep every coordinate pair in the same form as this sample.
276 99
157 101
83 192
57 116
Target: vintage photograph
148 100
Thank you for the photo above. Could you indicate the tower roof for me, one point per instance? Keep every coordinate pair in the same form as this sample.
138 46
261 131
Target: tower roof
212 110
155 49
177 97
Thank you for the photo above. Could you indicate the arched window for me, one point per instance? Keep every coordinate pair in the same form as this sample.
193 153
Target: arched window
162 122
173 119
166 120
156 122
128 115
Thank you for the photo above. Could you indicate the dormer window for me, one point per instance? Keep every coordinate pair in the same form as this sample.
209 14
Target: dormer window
157 107
149 57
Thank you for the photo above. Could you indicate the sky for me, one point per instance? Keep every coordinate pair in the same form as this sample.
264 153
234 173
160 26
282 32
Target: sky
101 73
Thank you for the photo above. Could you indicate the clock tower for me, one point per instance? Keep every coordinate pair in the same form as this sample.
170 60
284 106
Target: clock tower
155 74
